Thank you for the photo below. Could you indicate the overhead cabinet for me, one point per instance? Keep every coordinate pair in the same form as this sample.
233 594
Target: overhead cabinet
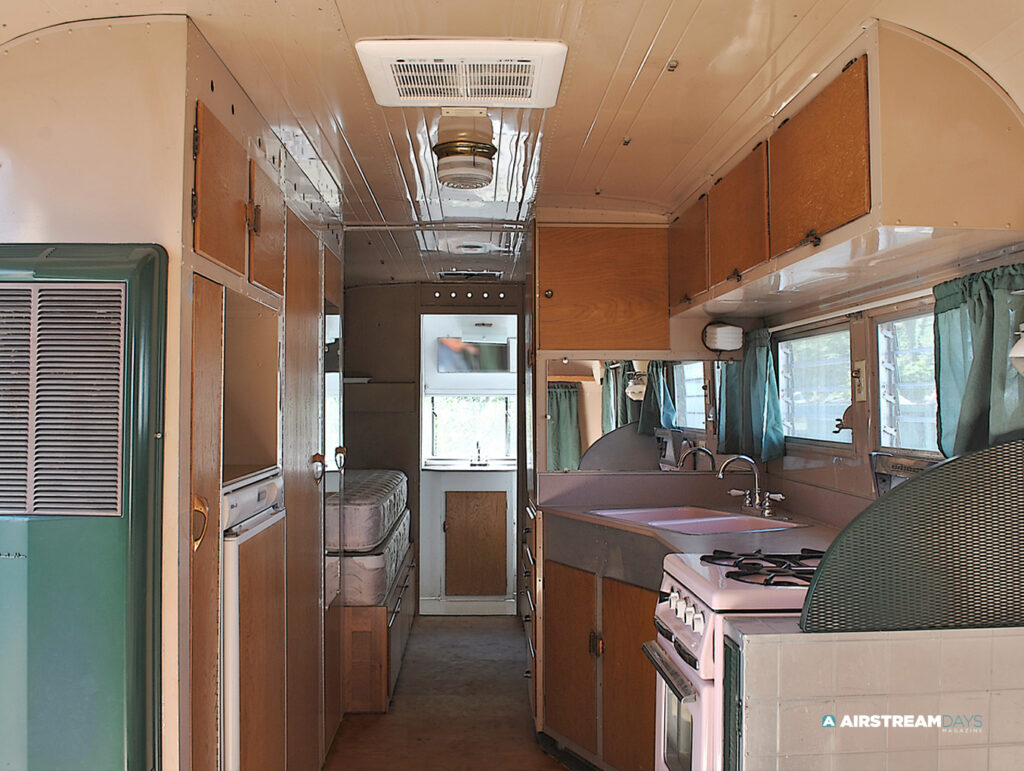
602 288
819 164
688 254
738 218
238 210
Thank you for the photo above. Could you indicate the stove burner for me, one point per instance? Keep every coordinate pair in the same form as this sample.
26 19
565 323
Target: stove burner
768 569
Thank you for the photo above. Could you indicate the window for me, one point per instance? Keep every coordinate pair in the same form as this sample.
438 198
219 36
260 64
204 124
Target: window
814 385
689 391
457 423
906 384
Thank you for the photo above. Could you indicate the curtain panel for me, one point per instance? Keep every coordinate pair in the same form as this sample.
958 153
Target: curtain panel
563 427
980 394
749 416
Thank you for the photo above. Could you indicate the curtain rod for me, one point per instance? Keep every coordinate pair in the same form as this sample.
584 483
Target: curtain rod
916 295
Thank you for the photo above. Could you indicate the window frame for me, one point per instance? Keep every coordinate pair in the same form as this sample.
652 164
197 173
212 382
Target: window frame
428 439
697 431
795 443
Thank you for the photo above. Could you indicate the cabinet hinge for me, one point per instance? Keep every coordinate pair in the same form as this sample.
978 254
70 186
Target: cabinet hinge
195 142
850 63
195 206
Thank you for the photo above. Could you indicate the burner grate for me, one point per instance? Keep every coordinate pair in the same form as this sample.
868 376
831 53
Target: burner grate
767 569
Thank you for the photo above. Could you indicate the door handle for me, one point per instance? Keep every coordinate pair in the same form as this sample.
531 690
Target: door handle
340 453
199 506
318 467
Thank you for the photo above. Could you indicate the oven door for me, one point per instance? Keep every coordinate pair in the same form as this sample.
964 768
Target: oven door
684 724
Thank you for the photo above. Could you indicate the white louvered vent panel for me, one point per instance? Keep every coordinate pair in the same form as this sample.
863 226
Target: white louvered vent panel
76 468
506 81
427 80
61 397
15 358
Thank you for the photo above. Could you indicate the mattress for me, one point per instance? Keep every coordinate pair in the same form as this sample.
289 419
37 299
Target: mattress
367 578
332 579
373 501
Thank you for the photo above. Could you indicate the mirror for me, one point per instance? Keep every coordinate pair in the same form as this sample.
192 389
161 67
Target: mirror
455 354
587 400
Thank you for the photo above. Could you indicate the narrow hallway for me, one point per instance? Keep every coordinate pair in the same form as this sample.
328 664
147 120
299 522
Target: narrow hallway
460 703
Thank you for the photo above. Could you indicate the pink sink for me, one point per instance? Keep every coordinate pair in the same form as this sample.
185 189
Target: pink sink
729 523
657 514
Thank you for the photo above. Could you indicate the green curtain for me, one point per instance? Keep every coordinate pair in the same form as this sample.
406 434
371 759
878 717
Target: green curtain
980 394
617 409
563 426
658 409
749 417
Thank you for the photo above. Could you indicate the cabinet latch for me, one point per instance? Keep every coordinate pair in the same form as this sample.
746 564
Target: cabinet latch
596 644
812 238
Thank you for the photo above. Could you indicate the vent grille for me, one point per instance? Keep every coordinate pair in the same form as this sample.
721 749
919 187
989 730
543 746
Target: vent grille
62 364
463 73
457 83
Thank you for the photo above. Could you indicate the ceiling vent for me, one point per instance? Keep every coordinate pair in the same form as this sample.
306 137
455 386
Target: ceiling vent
463 72
464 152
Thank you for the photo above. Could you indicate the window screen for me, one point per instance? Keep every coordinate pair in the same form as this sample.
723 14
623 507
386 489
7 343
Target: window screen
906 384
814 385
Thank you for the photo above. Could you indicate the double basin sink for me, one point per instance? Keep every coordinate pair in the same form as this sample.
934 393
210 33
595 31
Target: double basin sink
694 520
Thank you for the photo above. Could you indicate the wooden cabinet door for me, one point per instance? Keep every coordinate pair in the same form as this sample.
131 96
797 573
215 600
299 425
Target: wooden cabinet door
819 166
475 544
738 218
204 522
303 438
261 638
688 253
602 288
628 679
570 669
222 190
266 232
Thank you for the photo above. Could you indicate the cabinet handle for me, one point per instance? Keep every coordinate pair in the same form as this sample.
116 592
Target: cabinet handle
340 453
200 506
548 293
527 674
596 644
257 218
735 275
527 618
318 467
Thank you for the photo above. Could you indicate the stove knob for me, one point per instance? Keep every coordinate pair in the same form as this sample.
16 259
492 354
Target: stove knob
688 612
698 623
673 599
680 606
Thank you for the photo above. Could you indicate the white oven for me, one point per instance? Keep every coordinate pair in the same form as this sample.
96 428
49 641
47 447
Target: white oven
684 714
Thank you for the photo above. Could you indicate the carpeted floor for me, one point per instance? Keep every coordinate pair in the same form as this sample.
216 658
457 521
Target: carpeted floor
461 703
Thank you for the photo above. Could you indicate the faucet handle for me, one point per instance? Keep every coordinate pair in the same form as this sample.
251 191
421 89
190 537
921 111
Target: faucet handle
737 493
773 496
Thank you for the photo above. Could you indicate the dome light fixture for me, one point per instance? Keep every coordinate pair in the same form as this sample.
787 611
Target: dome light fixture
464 152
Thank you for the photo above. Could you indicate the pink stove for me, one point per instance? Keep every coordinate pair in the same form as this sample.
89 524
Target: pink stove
697 592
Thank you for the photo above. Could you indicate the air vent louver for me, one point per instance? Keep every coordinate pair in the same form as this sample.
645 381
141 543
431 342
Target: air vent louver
454 73
61 376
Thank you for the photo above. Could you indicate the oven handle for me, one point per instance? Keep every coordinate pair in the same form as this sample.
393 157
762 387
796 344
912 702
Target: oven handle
675 681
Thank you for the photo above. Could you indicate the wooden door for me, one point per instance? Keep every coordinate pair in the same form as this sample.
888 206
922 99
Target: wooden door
688 253
221 193
204 522
266 231
602 288
303 439
570 669
262 660
628 679
819 162
738 218
476 562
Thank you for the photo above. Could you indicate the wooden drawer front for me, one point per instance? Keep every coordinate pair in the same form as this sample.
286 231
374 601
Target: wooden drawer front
531 671
399 626
366 654
738 218
602 288
688 253
819 166
222 190
530 528
266 232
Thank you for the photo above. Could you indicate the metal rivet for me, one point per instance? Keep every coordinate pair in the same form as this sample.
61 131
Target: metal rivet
672 65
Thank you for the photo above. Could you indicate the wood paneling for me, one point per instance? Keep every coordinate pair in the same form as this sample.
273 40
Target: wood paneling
267 244
333 667
738 217
608 287
819 166
688 253
570 701
303 437
475 543
628 679
205 482
222 190
262 660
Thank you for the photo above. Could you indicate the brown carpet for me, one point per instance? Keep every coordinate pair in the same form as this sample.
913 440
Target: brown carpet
461 703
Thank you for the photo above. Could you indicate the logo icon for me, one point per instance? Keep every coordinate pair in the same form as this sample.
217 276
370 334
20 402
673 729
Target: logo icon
828 721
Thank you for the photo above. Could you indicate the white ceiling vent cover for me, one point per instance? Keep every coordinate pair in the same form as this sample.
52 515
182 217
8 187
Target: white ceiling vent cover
463 73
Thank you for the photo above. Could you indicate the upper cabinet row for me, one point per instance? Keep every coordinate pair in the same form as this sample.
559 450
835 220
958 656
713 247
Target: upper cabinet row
811 177
239 211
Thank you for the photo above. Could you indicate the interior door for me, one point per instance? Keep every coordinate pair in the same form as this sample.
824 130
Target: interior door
204 521
303 466
475 543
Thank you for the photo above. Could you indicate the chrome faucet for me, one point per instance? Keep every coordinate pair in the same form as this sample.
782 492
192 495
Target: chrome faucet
752 499
694 451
